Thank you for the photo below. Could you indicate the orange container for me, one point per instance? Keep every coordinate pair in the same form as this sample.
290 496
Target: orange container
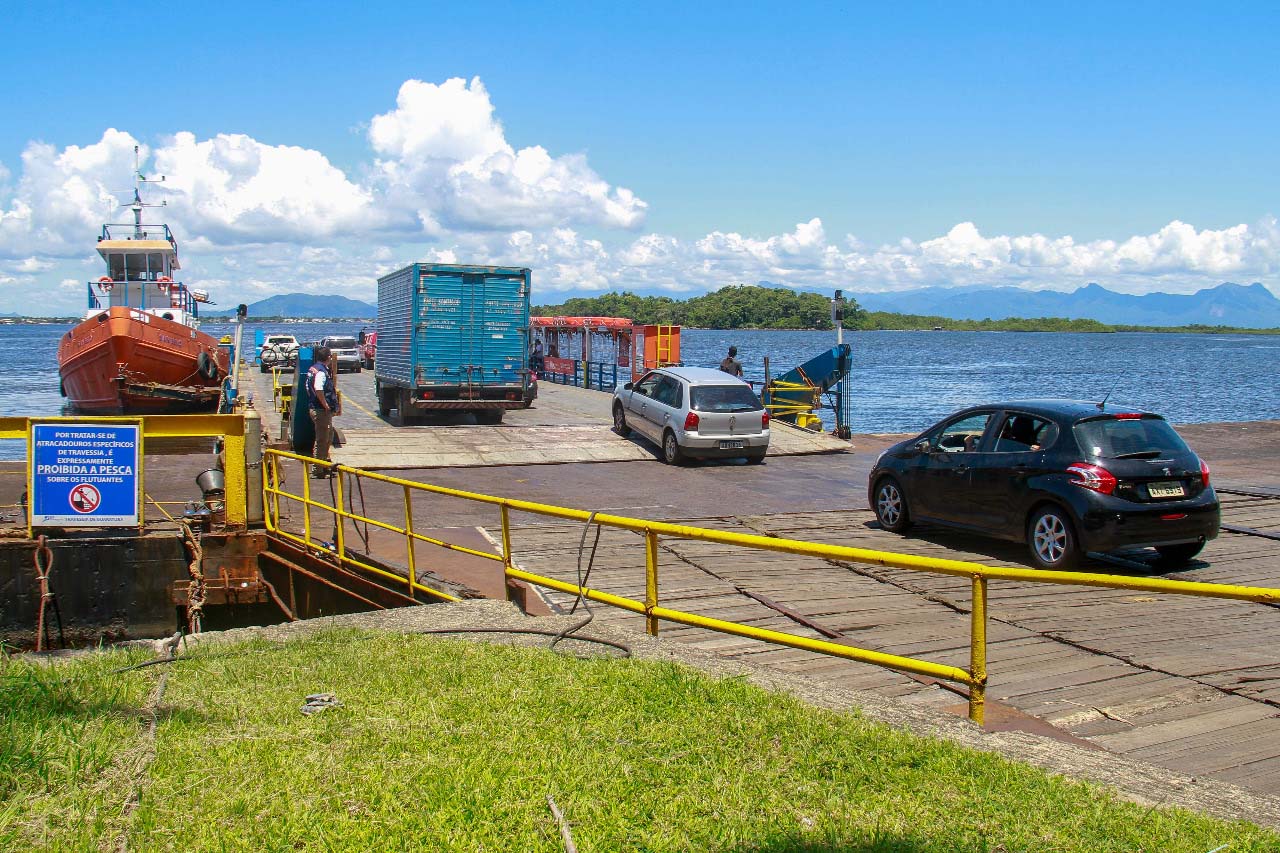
654 346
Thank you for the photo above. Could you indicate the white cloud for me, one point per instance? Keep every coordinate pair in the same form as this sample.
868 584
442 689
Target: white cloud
444 159
233 188
442 183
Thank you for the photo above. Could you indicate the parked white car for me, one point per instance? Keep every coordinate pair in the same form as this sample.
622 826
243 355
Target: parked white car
278 351
694 412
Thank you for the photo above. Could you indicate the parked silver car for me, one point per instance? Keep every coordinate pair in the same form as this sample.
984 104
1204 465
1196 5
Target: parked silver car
694 412
346 348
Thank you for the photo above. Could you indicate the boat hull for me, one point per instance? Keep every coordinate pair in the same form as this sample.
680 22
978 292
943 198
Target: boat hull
127 361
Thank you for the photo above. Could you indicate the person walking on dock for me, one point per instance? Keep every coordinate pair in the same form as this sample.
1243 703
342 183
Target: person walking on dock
731 365
322 399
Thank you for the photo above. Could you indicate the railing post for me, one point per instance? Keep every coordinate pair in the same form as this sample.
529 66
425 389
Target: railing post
651 581
306 503
506 539
408 532
338 520
978 651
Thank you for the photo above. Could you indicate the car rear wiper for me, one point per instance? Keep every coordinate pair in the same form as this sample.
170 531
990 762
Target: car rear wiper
1140 454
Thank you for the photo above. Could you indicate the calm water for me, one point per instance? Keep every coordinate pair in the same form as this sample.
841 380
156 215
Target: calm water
902 381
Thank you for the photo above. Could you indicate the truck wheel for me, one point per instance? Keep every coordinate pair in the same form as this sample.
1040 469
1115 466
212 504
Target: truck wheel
384 401
407 415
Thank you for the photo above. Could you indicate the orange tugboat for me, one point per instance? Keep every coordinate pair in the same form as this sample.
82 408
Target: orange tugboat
139 348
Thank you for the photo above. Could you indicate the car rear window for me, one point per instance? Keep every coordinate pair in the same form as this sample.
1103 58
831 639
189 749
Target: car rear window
1129 438
724 398
342 343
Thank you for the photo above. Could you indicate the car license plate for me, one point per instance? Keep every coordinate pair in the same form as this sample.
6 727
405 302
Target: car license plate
1166 490
731 445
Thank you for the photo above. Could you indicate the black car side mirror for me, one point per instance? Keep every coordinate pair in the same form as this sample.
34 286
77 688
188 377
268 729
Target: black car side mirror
626 387
923 446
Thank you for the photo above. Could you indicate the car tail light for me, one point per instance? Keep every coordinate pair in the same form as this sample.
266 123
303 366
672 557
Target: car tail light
764 421
691 421
1127 416
1095 478
1204 474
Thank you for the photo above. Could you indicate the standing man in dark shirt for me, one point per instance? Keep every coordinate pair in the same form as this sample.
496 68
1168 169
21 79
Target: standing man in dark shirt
322 398
731 365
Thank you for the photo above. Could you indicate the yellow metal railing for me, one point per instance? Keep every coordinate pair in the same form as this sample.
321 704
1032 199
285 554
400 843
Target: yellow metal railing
281 392
975 677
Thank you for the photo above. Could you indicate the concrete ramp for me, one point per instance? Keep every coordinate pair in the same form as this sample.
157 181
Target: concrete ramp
472 446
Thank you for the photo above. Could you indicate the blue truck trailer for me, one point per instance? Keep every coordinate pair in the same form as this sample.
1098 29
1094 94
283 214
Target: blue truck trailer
453 338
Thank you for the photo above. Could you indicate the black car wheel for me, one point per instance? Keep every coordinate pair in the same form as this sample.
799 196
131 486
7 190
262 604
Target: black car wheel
671 452
891 506
1051 539
755 458
620 422
1178 555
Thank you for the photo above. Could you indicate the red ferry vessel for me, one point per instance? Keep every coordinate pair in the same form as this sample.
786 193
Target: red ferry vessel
139 348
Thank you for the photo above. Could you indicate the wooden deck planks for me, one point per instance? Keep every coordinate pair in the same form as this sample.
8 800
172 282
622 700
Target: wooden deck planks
1154 676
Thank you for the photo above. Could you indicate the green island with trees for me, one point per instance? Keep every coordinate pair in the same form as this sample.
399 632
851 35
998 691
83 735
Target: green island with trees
755 307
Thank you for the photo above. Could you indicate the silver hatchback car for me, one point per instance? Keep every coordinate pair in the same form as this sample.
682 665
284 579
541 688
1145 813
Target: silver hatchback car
694 412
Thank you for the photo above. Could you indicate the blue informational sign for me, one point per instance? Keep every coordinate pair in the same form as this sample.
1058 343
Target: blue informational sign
85 474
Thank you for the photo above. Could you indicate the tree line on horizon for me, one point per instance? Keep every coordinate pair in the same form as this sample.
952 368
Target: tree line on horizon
755 307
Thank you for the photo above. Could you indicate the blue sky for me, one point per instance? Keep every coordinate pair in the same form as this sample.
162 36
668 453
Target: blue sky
1060 135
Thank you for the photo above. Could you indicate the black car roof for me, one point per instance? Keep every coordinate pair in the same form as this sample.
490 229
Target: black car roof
1065 409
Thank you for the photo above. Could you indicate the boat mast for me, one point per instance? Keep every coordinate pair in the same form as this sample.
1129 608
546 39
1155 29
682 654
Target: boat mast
138 180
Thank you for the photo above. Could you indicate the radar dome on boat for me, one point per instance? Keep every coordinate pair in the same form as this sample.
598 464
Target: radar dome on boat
200 295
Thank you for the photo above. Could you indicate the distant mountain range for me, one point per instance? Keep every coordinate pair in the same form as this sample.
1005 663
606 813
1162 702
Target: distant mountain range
1245 306
305 305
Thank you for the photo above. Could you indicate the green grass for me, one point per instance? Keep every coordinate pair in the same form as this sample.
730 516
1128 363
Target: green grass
447 745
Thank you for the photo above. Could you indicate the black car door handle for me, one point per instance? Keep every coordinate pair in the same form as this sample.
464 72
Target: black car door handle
960 469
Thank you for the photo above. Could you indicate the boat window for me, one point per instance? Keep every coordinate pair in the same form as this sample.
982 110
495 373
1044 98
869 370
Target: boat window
155 265
115 265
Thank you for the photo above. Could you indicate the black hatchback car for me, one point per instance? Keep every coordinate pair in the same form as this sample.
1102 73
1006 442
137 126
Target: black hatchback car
1066 477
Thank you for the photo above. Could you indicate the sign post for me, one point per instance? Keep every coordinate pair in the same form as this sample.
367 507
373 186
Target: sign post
85 474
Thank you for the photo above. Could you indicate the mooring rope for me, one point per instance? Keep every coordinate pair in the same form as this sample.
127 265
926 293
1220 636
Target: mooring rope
43 558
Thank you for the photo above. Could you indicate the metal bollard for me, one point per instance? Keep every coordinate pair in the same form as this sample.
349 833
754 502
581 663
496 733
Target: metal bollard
253 468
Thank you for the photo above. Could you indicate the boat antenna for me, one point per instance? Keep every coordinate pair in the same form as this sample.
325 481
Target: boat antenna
138 180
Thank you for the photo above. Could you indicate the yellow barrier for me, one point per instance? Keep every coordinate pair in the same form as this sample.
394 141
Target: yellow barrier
980 575
230 428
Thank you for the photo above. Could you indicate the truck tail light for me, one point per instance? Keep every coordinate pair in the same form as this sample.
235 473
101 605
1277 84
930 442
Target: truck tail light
511 395
764 421
1204 474
691 421
427 395
1095 478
